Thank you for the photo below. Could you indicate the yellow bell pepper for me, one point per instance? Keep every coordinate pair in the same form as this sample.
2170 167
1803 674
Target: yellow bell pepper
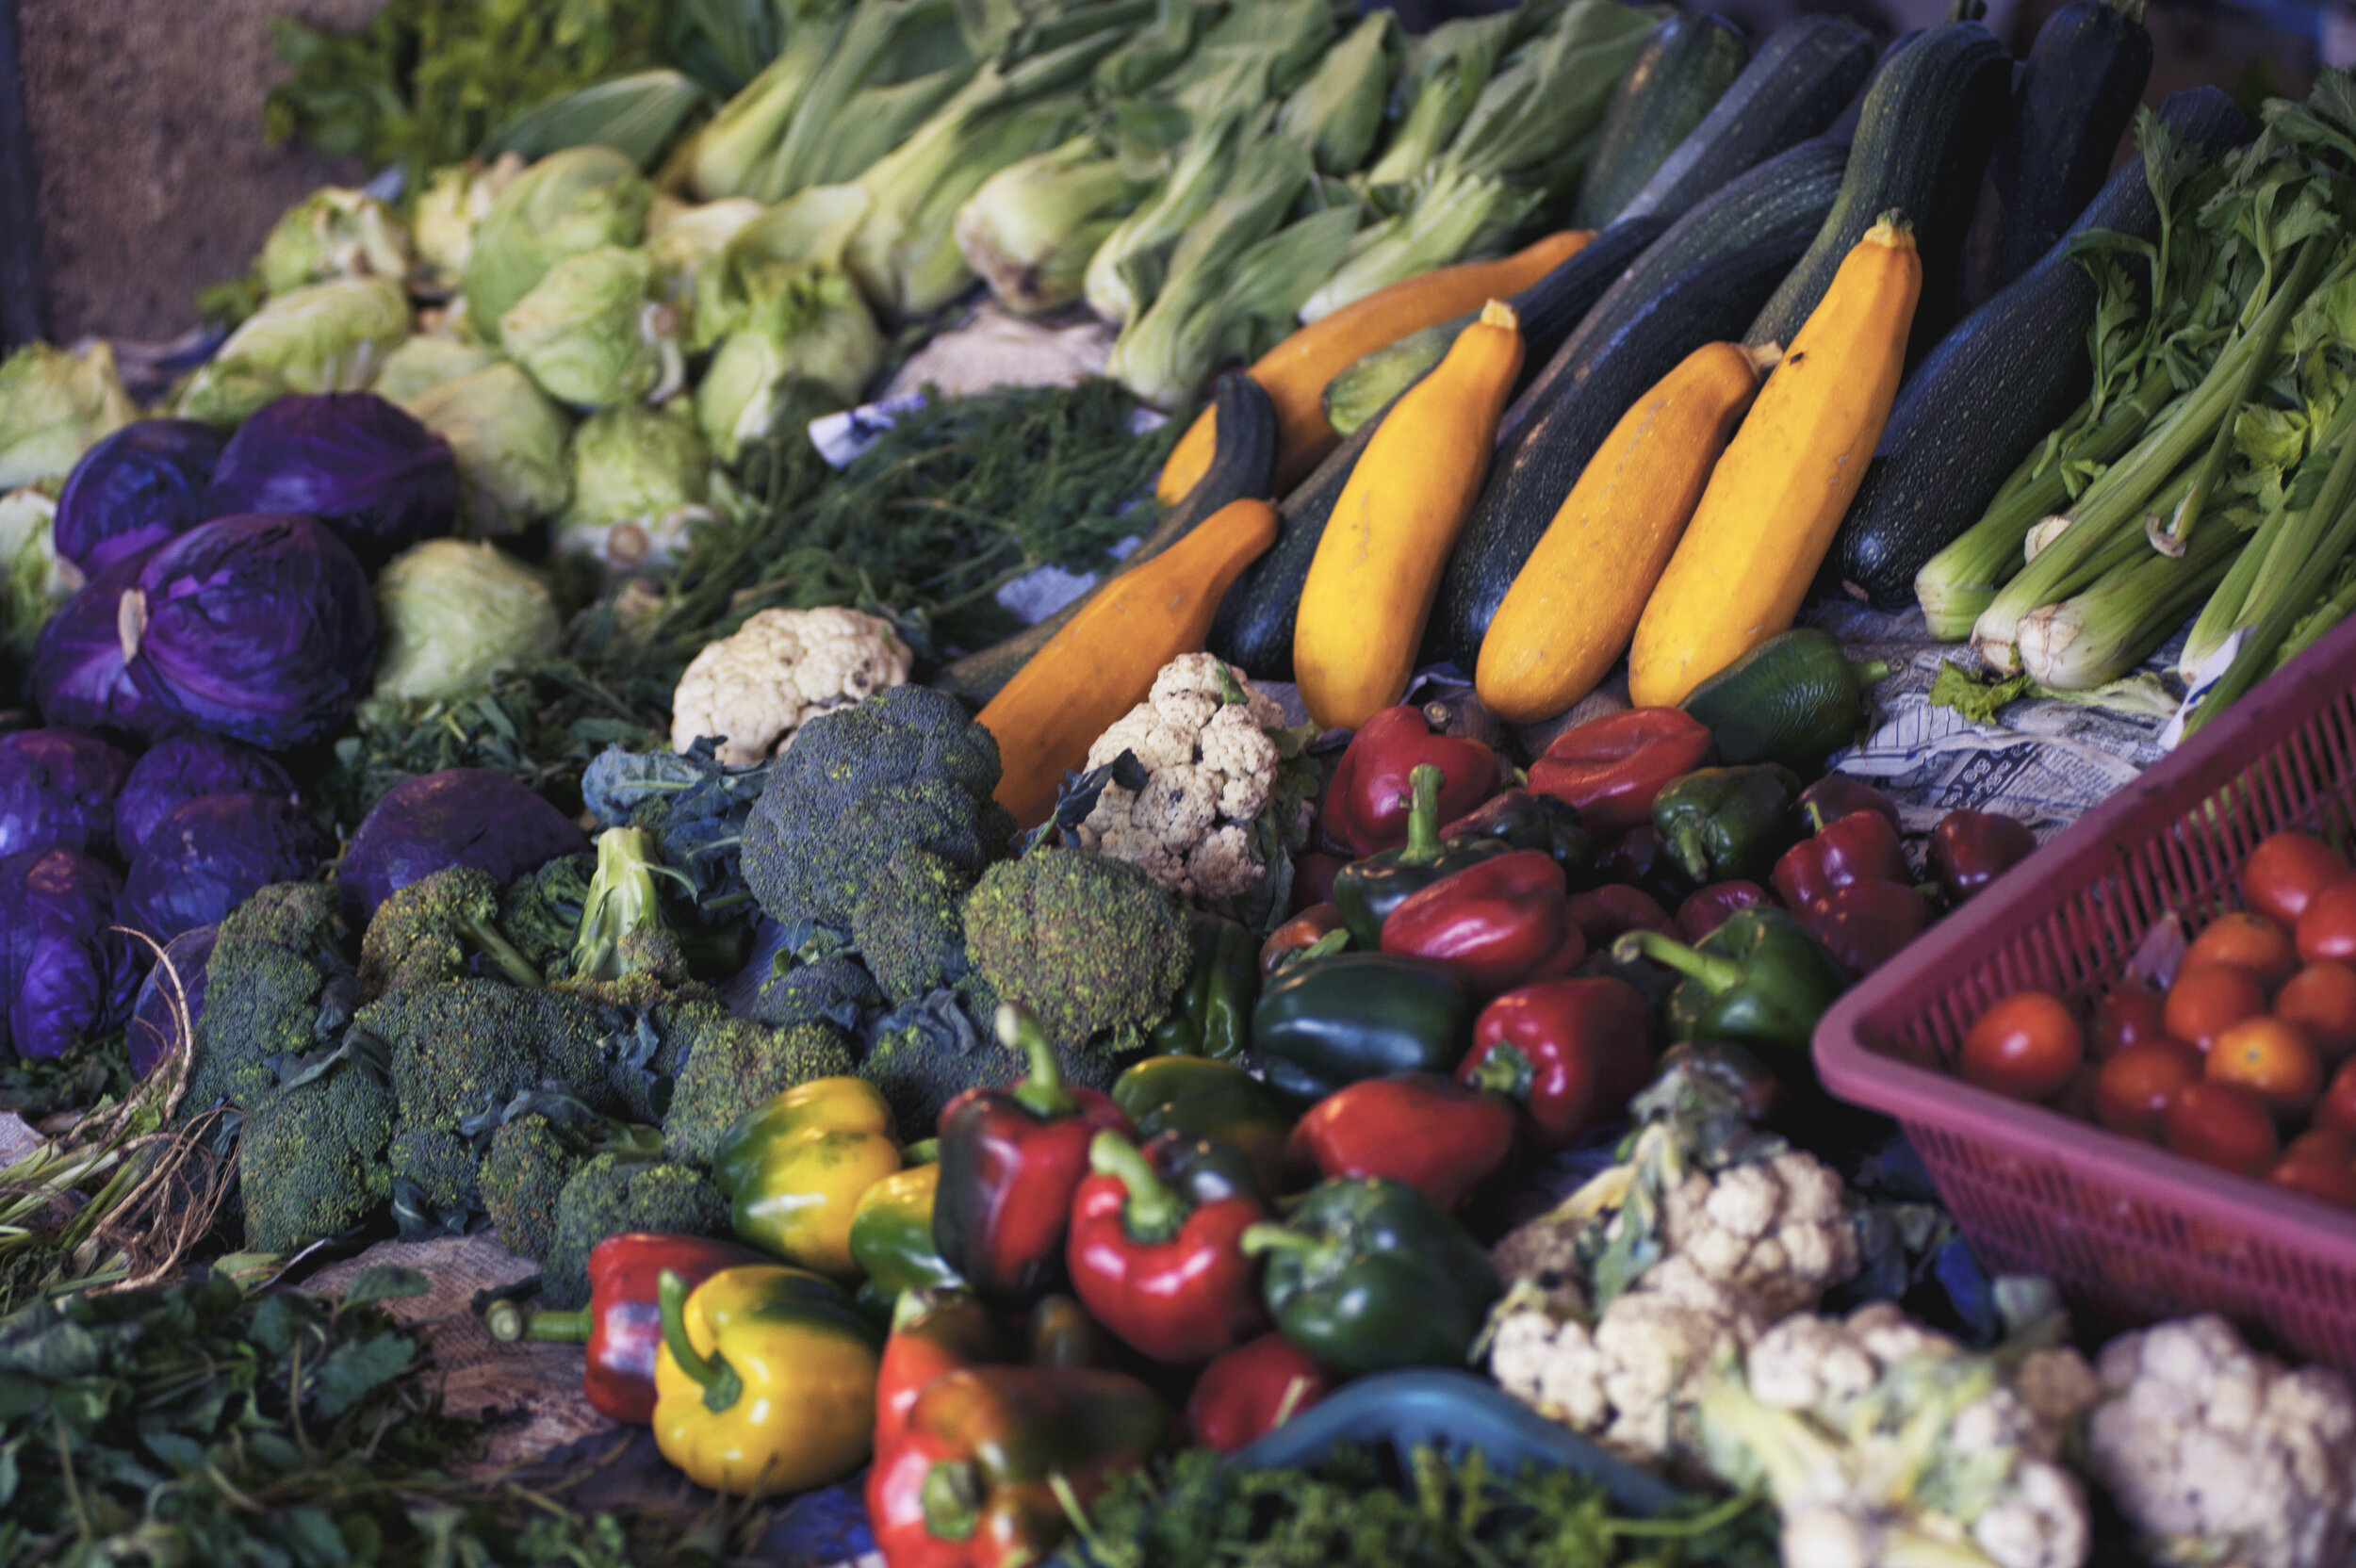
766 1382
795 1166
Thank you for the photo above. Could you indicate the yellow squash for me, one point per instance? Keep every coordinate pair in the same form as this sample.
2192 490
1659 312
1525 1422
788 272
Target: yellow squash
1371 583
1295 372
1777 498
1104 663
1572 609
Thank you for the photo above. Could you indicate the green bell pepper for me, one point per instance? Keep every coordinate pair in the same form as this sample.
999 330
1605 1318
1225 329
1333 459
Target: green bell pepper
1211 1014
1369 1274
1367 890
1725 824
891 1235
1758 980
1211 1099
1793 699
1325 1023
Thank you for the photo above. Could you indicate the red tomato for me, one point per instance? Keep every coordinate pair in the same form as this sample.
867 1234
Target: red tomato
2133 1091
2333 1184
2204 1003
2285 871
2223 1125
2246 941
2328 928
2322 1143
2321 999
2128 1015
2337 1110
2271 1059
2026 1046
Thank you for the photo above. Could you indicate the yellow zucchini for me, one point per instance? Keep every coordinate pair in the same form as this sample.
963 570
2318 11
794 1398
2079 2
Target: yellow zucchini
1778 495
1103 662
1572 608
1370 585
1294 373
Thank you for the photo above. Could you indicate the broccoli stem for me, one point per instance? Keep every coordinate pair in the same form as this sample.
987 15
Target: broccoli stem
497 948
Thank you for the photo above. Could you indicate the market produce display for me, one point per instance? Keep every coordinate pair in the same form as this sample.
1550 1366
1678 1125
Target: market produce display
1012 959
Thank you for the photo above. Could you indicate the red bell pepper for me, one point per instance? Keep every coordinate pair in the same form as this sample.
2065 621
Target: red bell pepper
1637 859
1970 849
1862 924
1432 1133
622 1324
1493 926
1313 879
1710 908
1859 847
1836 795
1250 1390
1568 1052
1608 912
1164 1274
1010 1160
1611 768
933 1332
1366 800
1297 934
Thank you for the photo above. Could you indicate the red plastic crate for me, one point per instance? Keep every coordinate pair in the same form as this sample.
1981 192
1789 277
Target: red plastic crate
2129 1232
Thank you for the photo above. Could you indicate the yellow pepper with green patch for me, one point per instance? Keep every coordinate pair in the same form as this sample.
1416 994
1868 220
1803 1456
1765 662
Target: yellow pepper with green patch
795 1166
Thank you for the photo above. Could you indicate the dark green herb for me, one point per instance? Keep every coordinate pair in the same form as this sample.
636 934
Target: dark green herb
1976 699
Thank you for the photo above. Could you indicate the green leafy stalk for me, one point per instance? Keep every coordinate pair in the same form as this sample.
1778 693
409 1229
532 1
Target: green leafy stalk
2104 631
1457 214
1446 73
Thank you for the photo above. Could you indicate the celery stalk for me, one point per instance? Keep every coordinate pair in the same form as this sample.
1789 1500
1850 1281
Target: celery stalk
1457 214
2270 562
2109 628
2331 612
1032 226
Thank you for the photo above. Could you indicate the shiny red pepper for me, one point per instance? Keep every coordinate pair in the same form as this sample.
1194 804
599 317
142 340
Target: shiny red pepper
1432 1133
622 1324
1836 795
1165 1274
1010 1160
1970 849
1365 802
1604 914
1568 1052
1611 767
1859 847
1710 908
1297 934
933 1332
1493 926
1250 1390
1863 924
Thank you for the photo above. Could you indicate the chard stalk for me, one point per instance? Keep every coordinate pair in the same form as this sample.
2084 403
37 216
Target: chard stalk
2271 558
2106 630
2331 612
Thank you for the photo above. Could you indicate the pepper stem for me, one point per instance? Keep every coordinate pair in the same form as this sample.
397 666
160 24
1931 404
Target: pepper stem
509 1323
1506 1071
720 1383
1154 1213
1423 815
1043 1093
1716 974
951 1499
924 1152
1257 1239
1869 671
1687 845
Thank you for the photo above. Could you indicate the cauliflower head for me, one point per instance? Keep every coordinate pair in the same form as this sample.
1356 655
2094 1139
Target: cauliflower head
2216 1453
1211 764
1776 1231
781 669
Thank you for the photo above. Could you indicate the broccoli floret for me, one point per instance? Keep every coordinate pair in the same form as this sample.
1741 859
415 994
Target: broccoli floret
927 1053
733 1065
836 991
541 912
524 1172
862 786
277 985
1089 943
434 1177
462 1051
312 1158
431 931
910 925
611 1194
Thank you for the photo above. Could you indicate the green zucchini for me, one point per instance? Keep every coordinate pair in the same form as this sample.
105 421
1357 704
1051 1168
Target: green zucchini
1684 67
1923 143
1793 700
1243 463
1550 310
1801 77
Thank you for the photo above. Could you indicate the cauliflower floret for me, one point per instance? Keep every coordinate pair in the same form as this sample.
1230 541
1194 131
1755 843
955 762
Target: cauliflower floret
2214 1452
1551 1364
1211 769
781 669
1777 1228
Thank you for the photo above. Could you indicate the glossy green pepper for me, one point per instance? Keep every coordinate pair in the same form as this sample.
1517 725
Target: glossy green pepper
1211 1014
1369 1274
1325 1023
1367 890
1760 980
892 1233
1724 824
1212 1099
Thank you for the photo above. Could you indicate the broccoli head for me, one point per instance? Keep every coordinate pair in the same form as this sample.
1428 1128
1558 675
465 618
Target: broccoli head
733 1066
312 1158
612 1194
462 1051
909 924
434 1178
431 931
276 986
837 990
860 787
523 1171
1087 942
927 1053
541 912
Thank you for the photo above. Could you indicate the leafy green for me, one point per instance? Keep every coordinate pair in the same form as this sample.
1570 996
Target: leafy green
1976 699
